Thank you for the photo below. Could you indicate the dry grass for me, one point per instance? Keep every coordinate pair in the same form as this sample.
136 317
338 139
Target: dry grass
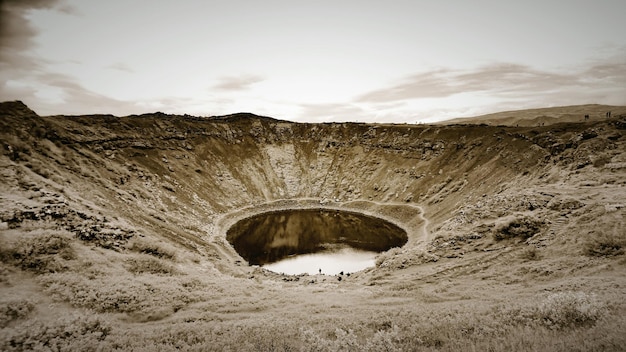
155 249
81 333
560 322
522 226
530 253
14 309
122 293
40 251
609 241
145 264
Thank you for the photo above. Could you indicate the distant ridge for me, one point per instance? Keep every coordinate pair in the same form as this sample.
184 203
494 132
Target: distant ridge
239 116
18 108
527 117
543 116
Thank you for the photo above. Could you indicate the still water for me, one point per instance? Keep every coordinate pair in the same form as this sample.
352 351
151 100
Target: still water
304 241
346 260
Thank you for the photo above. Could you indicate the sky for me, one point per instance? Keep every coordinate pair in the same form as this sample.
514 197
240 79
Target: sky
312 61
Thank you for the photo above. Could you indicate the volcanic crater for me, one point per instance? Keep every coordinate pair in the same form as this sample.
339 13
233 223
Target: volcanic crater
119 228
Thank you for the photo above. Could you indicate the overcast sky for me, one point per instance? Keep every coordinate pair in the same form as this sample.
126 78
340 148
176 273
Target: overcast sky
340 60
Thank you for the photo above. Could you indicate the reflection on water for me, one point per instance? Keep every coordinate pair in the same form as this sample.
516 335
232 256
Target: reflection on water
272 237
346 260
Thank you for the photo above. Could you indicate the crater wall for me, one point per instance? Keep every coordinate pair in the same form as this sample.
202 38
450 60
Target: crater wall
113 233
178 175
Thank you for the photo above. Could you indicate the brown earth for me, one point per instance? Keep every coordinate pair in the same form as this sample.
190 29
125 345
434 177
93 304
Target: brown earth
112 233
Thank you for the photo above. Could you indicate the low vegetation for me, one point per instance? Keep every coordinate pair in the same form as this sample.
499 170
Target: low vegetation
14 309
609 241
521 226
40 251
80 333
573 318
149 265
153 249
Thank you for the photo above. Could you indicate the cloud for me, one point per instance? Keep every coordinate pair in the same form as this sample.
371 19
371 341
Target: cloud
448 93
611 72
16 31
237 83
50 93
498 87
73 98
16 39
500 78
331 112
24 76
120 66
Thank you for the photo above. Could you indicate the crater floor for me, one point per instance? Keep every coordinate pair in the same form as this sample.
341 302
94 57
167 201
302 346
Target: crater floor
113 232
